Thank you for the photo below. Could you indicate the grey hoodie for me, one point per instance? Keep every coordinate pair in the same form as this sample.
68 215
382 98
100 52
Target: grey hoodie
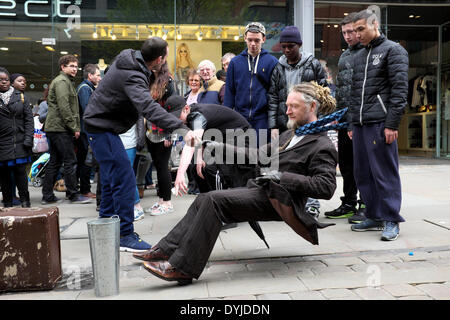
294 73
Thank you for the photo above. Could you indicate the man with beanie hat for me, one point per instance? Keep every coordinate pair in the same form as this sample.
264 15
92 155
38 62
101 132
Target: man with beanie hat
248 79
293 67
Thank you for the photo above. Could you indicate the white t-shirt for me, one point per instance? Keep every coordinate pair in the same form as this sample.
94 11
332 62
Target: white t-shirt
129 138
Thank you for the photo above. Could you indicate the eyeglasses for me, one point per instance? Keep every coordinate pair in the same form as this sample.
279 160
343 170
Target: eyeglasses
72 66
183 51
194 80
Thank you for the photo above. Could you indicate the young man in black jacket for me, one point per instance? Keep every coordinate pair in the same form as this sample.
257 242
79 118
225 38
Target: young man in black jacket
379 97
114 107
345 148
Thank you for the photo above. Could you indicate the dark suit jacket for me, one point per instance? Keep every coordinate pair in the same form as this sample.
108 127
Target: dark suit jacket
308 170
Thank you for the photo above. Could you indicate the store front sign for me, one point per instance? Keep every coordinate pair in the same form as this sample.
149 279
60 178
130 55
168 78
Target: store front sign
8 8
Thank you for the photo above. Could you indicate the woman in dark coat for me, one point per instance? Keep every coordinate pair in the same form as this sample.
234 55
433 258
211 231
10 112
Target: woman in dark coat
16 140
159 144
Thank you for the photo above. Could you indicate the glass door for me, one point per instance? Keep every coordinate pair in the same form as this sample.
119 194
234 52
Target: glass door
444 150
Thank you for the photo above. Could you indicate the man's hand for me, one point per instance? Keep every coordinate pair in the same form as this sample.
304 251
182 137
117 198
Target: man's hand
77 134
167 143
350 134
274 133
274 176
391 135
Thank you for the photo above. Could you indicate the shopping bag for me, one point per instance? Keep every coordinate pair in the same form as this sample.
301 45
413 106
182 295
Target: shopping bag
40 143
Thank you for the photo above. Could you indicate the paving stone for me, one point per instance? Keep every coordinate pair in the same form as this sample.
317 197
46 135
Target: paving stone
274 296
366 267
417 256
305 265
267 266
229 267
306 295
415 298
337 293
335 280
345 261
413 265
380 258
440 262
435 290
373 294
253 286
250 275
246 297
291 273
330 270
401 290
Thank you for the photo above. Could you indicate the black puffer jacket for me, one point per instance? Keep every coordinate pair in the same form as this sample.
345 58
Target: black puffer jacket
380 84
307 69
123 95
344 76
16 128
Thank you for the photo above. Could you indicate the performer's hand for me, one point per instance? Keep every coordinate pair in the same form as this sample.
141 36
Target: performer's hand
200 165
350 134
274 176
211 144
77 134
180 185
391 135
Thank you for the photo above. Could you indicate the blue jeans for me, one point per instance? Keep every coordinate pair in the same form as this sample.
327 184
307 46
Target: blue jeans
132 155
117 178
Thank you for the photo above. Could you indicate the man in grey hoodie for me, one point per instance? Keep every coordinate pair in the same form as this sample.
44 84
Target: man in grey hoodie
294 67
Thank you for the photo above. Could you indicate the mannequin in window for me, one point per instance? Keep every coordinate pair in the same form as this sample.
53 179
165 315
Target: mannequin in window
102 66
184 61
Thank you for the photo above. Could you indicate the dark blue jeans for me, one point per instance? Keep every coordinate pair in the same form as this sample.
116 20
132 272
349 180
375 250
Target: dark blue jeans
117 178
375 165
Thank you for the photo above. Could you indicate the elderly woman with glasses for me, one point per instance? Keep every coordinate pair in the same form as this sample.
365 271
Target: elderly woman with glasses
195 83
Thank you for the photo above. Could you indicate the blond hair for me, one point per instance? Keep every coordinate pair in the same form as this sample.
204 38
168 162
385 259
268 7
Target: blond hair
311 91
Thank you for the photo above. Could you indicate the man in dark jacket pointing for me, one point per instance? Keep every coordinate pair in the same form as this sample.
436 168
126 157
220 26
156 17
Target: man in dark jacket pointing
379 97
114 108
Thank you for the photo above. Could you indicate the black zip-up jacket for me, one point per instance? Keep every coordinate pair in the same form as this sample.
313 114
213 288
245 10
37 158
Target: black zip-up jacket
123 95
380 84
308 69
345 75
16 128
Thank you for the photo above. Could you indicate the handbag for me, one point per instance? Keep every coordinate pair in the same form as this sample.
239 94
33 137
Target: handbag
40 143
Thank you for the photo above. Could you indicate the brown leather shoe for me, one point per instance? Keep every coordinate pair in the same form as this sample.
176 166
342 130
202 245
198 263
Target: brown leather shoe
165 271
90 195
154 254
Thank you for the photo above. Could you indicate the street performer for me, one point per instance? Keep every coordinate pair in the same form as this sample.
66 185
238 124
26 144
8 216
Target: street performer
306 168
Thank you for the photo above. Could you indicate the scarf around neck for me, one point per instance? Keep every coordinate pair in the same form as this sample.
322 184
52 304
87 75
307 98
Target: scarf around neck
6 96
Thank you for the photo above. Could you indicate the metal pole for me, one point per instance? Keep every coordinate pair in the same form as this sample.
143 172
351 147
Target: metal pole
304 20
438 98
175 37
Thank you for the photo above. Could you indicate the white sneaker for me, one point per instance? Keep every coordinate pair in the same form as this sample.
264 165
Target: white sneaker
160 210
138 214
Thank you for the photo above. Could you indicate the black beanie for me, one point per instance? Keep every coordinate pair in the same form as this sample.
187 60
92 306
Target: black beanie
291 34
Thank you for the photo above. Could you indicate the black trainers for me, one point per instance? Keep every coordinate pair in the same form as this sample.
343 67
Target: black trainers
360 215
344 211
51 201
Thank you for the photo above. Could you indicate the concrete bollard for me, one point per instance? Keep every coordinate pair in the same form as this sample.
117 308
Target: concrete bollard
104 239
